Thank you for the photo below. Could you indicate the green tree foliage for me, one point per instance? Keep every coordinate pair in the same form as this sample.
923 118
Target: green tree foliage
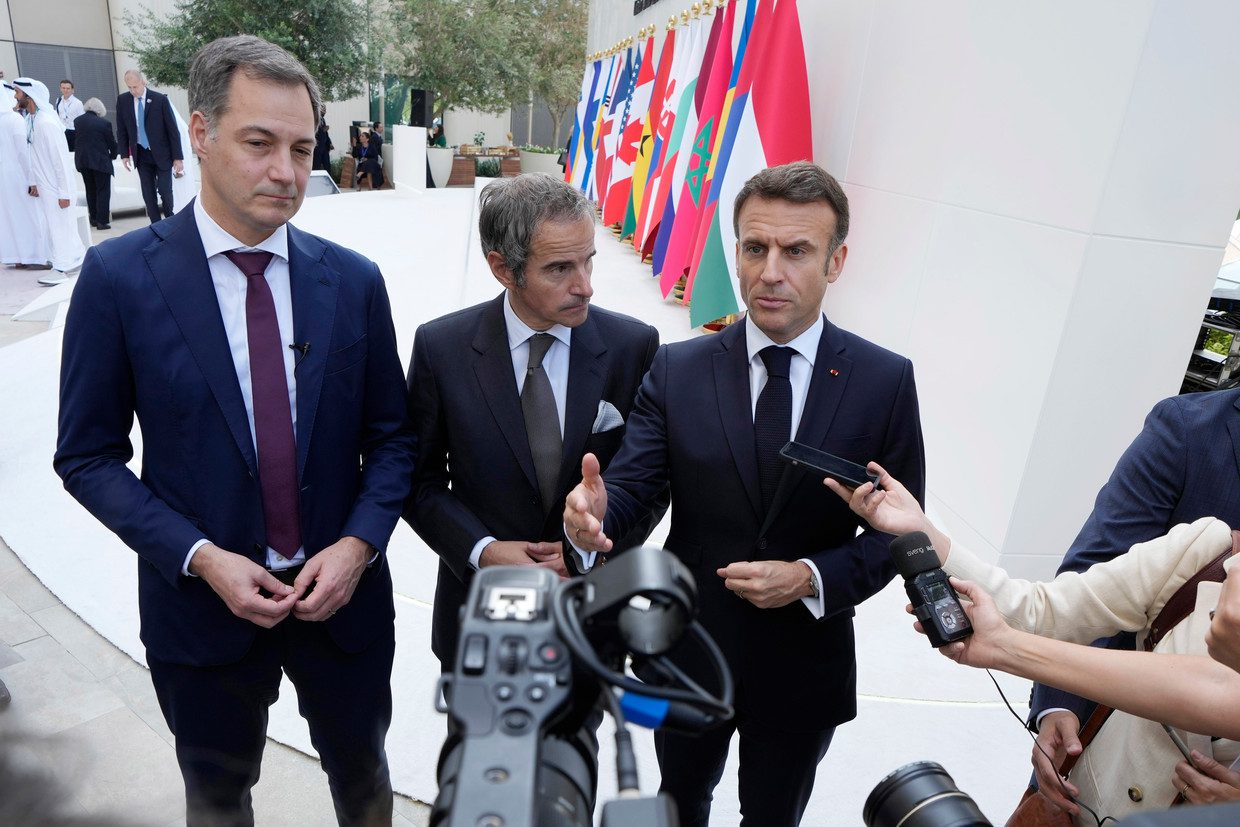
461 49
333 38
551 34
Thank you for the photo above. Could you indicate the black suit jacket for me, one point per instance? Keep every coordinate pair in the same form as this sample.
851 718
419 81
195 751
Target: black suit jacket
95 145
692 426
475 473
161 128
144 337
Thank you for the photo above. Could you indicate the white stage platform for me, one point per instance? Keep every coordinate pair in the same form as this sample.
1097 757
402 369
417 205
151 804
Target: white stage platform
914 704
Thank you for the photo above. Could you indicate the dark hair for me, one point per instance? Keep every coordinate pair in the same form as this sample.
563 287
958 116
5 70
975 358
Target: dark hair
210 73
800 182
512 208
66 80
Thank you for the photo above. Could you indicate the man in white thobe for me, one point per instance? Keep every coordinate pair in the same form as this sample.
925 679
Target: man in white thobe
54 178
23 239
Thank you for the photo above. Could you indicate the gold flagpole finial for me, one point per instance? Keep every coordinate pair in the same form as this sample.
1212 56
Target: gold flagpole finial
708 6
696 8
671 22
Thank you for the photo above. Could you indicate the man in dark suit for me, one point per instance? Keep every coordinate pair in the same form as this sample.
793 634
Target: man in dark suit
778 563
1184 465
261 363
505 397
146 130
96 147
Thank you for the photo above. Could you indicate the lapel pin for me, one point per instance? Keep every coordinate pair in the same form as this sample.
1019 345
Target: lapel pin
834 372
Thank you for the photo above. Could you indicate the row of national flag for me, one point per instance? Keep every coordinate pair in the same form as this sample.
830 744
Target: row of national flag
665 138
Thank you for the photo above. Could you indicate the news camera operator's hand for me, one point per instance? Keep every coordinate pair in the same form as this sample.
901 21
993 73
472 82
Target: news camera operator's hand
584 509
1206 781
1223 637
522 553
768 584
893 510
1058 734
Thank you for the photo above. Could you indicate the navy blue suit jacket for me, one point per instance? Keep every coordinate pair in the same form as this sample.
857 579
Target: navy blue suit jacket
144 336
94 146
161 128
475 476
693 427
1184 465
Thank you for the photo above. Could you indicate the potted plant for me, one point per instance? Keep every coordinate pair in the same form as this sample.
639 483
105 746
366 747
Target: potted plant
541 159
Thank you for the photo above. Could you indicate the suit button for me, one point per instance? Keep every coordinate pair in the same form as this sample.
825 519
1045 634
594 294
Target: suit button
762 544
1135 793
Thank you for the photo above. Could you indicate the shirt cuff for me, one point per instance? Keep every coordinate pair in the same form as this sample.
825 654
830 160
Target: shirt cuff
814 603
1038 722
475 556
190 556
587 558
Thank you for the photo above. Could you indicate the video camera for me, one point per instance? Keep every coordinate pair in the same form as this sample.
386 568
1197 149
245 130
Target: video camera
535 657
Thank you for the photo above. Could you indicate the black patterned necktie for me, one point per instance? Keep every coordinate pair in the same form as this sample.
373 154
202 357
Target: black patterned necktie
542 419
772 419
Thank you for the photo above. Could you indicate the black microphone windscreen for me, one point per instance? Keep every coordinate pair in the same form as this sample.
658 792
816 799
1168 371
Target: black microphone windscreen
913 554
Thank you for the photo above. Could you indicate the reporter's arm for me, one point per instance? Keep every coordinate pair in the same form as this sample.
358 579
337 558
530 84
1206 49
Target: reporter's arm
1191 692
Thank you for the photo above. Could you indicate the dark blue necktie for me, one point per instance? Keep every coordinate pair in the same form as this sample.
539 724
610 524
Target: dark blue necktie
772 419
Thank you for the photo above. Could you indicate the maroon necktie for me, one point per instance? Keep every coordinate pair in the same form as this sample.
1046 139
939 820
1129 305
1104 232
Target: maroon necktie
273 419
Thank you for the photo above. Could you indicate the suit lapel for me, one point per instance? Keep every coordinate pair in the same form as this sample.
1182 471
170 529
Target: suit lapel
493 368
1233 427
731 367
314 288
586 376
822 399
179 267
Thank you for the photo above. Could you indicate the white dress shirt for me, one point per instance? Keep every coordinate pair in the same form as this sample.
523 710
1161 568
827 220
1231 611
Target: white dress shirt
554 364
68 109
800 371
230 291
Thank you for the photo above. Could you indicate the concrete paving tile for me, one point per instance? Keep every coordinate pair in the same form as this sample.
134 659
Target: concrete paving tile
133 685
40 648
120 768
410 811
54 693
292 790
15 625
24 589
8 656
94 651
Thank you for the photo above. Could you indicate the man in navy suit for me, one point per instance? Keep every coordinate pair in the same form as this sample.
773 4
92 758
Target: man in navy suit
779 566
487 490
146 130
261 363
1184 465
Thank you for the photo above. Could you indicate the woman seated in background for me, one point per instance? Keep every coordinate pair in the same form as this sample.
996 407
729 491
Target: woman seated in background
1177 683
369 166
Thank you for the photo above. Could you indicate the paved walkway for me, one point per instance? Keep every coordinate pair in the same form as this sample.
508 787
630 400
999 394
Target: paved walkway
84 714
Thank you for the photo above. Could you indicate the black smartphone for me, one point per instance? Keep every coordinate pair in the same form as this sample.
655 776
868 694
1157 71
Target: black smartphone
841 470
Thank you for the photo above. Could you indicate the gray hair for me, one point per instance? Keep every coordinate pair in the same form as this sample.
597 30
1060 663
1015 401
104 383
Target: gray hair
800 182
211 71
95 105
136 73
513 208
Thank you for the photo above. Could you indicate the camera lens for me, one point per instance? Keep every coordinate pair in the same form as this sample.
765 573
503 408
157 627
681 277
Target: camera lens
920 794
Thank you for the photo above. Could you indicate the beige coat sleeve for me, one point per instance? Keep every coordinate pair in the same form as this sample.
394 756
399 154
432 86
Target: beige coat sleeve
1124 594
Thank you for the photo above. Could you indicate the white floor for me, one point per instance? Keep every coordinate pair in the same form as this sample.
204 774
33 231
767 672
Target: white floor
914 704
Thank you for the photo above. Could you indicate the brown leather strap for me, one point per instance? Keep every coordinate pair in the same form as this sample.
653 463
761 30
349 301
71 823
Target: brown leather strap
1185 598
1095 722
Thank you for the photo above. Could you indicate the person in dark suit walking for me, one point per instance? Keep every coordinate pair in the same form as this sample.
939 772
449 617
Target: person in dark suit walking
146 130
505 397
778 563
261 363
1184 465
96 147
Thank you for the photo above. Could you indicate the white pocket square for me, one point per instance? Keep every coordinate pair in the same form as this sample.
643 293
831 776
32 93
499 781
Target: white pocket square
608 418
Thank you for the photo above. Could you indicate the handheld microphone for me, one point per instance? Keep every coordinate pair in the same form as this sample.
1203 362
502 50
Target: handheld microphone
934 601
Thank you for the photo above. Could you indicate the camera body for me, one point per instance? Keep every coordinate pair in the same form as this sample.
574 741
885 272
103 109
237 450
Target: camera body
511 688
536 656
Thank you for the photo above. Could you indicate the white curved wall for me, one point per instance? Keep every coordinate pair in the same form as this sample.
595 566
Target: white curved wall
1041 195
